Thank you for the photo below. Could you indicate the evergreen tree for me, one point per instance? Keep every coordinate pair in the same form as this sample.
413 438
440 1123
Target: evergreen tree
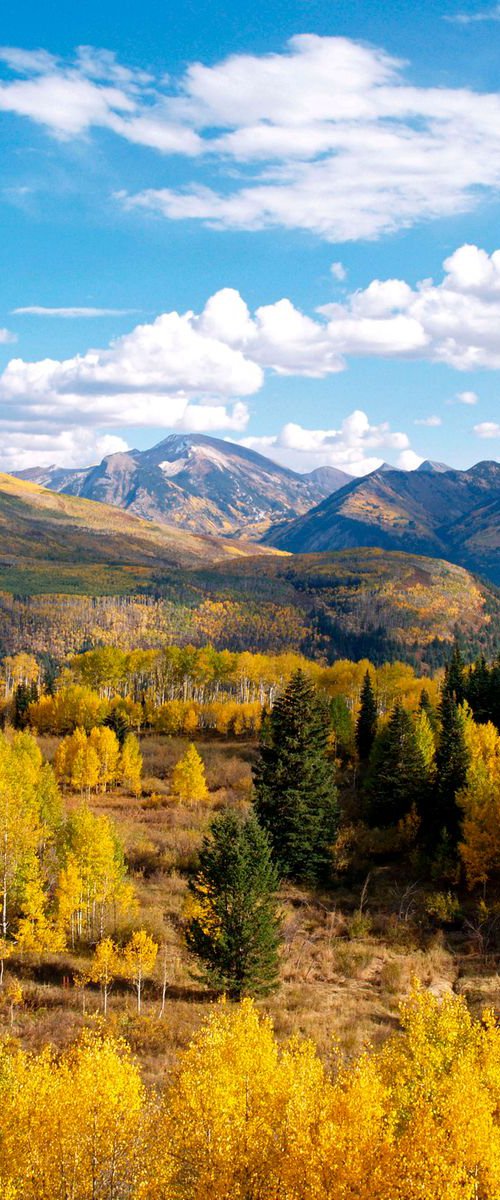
295 796
234 927
117 720
425 706
398 774
452 760
366 725
454 677
24 695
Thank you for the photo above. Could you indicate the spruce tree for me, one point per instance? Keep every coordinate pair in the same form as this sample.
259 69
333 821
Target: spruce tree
234 927
295 795
366 725
452 761
454 677
398 774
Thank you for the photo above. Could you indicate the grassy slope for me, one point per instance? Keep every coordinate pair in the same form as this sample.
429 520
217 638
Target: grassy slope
50 541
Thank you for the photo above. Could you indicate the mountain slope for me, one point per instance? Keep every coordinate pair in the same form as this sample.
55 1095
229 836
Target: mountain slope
353 603
51 541
198 483
448 514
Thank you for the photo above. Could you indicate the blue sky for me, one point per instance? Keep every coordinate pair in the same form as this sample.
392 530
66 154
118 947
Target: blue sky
275 224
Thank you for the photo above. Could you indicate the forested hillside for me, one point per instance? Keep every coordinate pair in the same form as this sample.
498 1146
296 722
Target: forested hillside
353 603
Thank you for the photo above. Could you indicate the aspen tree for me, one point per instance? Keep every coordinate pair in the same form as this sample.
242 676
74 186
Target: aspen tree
188 780
139 958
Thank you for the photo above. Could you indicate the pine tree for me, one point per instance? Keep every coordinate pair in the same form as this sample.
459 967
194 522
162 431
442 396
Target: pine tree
454 678
452 760
366 725
188 780
233 927
398 774
295 795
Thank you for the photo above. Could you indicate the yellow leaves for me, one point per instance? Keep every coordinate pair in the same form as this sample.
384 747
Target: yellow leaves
188 780
480 801
139 958
247 1120
92 884
130 764
72 1126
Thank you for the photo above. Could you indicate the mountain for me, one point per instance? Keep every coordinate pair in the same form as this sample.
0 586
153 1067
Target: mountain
329 479
198 483
432 467
54 542
449 514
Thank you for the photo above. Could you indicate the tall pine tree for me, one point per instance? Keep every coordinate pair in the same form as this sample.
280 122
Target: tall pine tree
452 761
234 926
366 725
398 774
295 794
454 676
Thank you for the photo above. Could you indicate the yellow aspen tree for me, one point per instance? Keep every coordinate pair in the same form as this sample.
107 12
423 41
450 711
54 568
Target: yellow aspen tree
104 967
72 1125
85 770
14 997
35 934
188 780
94 854
21 828
6 951
130 765
67 750
480 803
139 958
69 898
107 747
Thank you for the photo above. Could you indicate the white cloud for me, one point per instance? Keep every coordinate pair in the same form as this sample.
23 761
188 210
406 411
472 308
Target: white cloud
487 429
77 447
40 310
431 422
350 447
454 322
326 136
408 460
467 398
338 271
6 336
485 14
192 371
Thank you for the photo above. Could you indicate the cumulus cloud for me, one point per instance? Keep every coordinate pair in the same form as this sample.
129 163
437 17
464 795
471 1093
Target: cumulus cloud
77 447
487 429
431 422
327 136
350 447
6 336
193 371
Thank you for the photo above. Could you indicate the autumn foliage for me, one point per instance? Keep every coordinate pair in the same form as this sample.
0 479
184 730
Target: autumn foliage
246 1119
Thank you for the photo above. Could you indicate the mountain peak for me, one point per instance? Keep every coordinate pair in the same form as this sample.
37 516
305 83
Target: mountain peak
199 483
433 468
